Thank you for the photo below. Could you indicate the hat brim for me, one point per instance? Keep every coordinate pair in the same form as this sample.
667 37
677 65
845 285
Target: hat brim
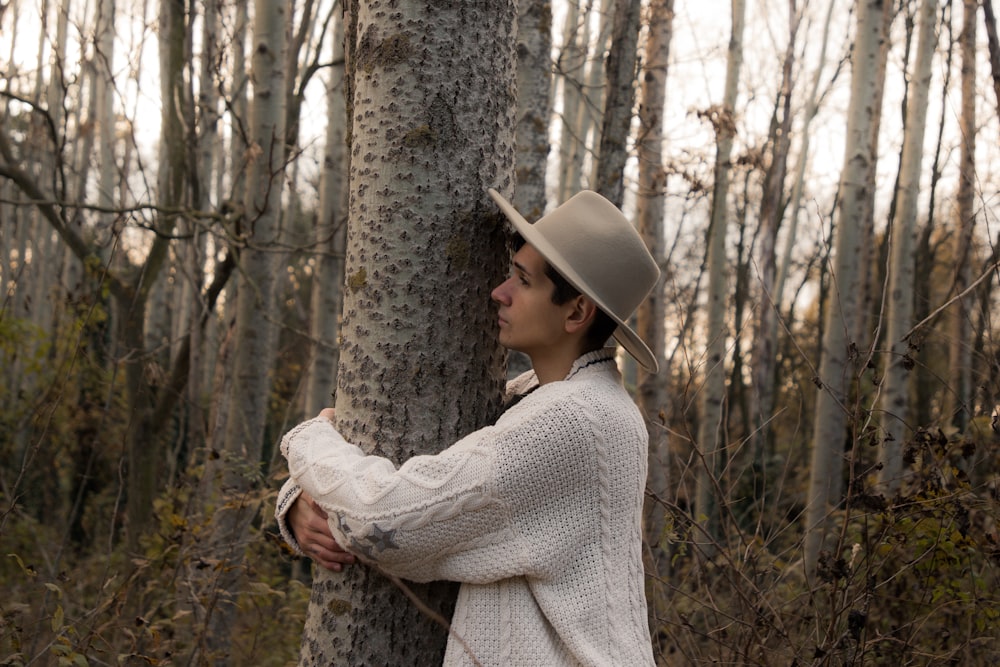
624 334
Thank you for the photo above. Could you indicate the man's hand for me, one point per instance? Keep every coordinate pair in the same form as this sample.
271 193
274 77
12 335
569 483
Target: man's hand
308 522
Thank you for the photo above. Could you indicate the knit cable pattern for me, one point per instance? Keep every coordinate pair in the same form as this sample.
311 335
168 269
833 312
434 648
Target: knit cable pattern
536 515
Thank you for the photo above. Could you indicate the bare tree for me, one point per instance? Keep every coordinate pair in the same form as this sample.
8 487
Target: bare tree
993 44
711 429
145 330
617 119
771 210
838 368
582 67
432 111
236 472
331 236
957 404
534 107
651 315
895 396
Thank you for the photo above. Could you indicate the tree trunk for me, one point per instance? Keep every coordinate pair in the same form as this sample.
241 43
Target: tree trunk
993 44
433 126
927 381
795 201
236 473
958 395
534 84
331 235
838 370
651 315
711 430
571 67
580 121
617 122
203 197
899 314
771 208
145 453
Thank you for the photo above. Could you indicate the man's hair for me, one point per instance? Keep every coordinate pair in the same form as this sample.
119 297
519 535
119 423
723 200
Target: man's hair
600 329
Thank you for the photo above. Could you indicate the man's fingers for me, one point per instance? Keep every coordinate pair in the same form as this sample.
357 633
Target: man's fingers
331 559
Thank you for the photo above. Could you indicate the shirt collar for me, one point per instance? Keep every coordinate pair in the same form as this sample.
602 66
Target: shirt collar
595 358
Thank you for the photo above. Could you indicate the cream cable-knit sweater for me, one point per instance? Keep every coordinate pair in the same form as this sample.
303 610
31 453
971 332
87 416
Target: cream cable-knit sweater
539 517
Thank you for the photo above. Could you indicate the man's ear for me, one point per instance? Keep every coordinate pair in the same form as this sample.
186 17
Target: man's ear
580 315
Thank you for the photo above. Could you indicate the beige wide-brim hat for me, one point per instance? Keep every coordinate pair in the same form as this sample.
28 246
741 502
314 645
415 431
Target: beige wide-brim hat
591 244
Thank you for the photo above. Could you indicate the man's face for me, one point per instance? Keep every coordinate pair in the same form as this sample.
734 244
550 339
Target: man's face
529 321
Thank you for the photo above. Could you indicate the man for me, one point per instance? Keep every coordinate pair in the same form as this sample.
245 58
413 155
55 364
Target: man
539 515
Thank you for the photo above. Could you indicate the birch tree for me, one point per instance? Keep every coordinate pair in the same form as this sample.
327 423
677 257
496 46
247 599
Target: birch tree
771 208
957 408
236 471
795 200
331 235
902 262
534 84
711 428
651 315
583 96
571 66
203 198
617 119
838 371
430 99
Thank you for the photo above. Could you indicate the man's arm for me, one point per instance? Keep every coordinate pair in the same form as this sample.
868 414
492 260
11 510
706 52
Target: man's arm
305 526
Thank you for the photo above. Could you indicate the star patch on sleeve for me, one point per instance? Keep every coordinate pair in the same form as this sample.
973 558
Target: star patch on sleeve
377 541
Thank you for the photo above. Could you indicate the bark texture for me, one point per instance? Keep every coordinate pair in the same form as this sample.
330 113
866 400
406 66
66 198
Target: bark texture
236 473
331 235
902 260
711 429
534 84
617 120
431 105
838 371
651 315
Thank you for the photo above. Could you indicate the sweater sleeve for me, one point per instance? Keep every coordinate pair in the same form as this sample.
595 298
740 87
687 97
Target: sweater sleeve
434 517
289 493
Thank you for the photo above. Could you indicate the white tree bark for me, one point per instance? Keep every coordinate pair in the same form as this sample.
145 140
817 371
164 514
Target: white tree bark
431 100
105 71
894 400
235 473
534 84
572 66
580 133
651 316
837 371
711 429
795 201
331 236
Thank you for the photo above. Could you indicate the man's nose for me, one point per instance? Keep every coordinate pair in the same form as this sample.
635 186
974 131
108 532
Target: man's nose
499 293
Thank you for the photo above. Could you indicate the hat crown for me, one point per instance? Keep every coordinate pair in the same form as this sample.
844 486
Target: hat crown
600 253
